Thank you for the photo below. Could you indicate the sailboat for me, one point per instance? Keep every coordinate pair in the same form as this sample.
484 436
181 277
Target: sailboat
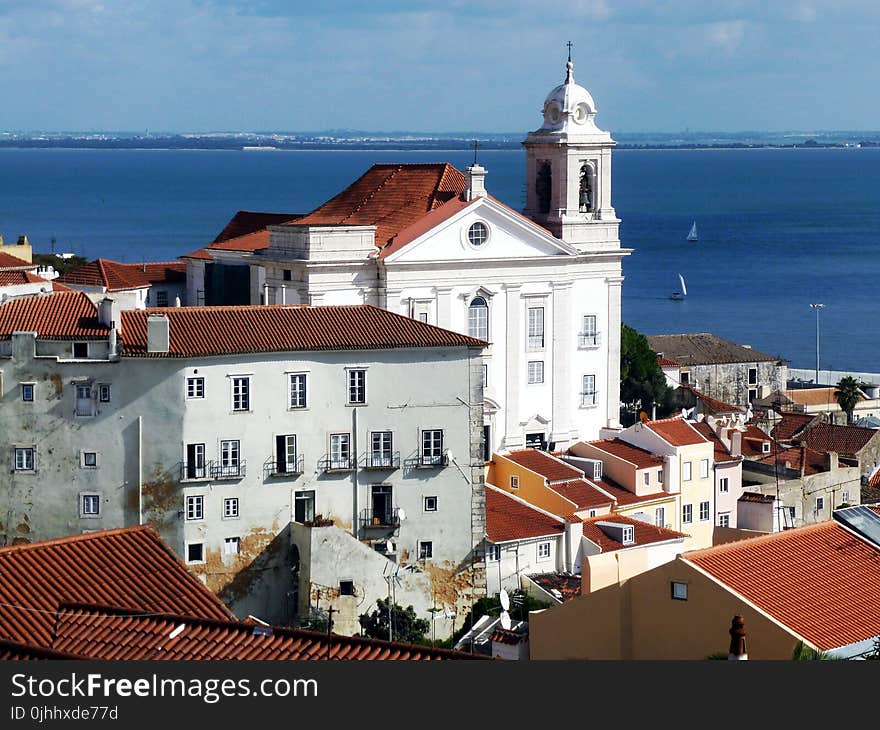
679 295
692 236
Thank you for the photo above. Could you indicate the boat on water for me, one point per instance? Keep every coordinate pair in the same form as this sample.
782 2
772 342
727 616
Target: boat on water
692 236
679 295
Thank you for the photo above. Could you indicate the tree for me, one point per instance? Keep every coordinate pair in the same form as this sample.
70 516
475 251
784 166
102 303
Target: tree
848 394
62 266
804 653
642 383
407 627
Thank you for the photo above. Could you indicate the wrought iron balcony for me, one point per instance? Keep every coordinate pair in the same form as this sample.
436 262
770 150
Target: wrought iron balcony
589 339
332 464
428 461
195 471
228 471
387 519
380 460
589 399
280 469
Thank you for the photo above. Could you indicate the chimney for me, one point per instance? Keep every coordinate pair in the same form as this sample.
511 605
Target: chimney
574 533
736 441
158 335
112 345
737 640
108 312
831 460
23 241
476 177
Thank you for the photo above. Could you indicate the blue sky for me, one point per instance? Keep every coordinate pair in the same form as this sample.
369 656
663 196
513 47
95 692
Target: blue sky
457 65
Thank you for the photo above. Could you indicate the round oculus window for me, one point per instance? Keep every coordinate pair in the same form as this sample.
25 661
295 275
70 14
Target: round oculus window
478 234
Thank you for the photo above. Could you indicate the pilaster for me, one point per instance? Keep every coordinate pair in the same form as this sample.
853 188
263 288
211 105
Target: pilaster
562 398
513 435
612 387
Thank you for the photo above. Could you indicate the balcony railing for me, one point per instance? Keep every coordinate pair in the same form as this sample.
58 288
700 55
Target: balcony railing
428 461
380 519
228 471
290 468
589 399
332 464
588 339
380 460
195 471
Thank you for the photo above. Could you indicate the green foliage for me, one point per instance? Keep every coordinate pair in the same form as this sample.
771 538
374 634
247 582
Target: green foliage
642 383
848 395
803 653
62 266
407 627
719 655
492 605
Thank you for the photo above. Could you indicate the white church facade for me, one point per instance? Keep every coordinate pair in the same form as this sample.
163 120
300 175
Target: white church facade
542 286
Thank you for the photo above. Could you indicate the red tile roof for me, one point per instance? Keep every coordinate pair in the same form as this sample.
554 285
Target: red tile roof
584 494
568 585
642 458
722 453
874 478
713 405
665 362
675 431
391 197
510 518
58 316
849 440
815 396
8 261
800 458
644 533
790 425
540 462
753 439
14 277
757 498
13 650
246 221
130 568
424 224
821 581
624 497
197 331
256 241
109 634
116 276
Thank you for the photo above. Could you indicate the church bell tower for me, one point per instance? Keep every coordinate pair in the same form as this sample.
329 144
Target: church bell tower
568 170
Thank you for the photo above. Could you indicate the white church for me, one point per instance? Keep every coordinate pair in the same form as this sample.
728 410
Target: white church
543 286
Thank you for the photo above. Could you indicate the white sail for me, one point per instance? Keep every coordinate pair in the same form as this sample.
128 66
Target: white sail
692 236
684 290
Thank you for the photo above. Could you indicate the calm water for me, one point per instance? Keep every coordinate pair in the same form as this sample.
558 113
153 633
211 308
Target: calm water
778 228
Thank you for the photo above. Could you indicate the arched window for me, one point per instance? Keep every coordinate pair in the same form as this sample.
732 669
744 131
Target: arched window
478 318
586 192
544 187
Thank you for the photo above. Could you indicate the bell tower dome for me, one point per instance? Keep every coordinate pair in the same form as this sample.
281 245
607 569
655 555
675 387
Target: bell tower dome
568 170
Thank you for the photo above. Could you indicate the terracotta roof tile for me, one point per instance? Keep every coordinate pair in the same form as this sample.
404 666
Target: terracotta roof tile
713 405
757 498
584 494
509 518
848 440
14 277
58 316
753 439
105 633
15 651
643 532
800 458
540 462
704 348
815 396
665 362
676 431
197 331
821 581
642 458
256 241
116 276
722 453
246 221
130 568
624 497
568 585
8 261
790 425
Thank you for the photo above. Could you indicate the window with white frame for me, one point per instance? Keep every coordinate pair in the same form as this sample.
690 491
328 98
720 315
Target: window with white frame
820 504
231 545
535 328
85 402
27 392
230 508
478 233
647 477
340 451
704 468
297 382
724 484
589 335
430 504
195 388
686 471
588 395
195 507
753 376
241 394
724 519
90 505
543 551
88 459
629 535
514 481
195 552
230 457
659 476
765 447
478 318
687 514
704 511
104 393
493 553
286 461
24 459
660 516
432 446
357 386
426 550
536 372
304 506
381 449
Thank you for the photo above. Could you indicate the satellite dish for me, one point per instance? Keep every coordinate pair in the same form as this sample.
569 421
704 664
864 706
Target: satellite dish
401 515
505 620
505 600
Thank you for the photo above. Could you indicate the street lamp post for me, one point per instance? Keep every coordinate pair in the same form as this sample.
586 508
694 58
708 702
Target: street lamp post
817 307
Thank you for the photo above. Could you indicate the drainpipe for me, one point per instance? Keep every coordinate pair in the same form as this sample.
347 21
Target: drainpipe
140 462
354 471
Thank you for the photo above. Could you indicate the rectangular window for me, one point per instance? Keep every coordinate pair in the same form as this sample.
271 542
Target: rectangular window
820 504
24 459
304 506
285 454
753 394
104 393
687 514
195 461
381 449
241 394
430 504
647 477
287 275
679 591
195 387
590 335
426 550
230 508
659 476
231 545
724 519
514 481
230 458
704 468
340 451
297 390
704 511
493 553
27 392
686 471
536 328
80 350
660 516
89 459
162 298
432 447
90 505
724 484
629 535
195 507
543 551
753 376
589 392
346 588
536 372
357 386
684 378
195 552
423 317
85 404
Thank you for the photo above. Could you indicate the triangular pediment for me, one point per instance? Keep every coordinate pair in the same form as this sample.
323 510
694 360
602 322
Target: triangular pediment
508 235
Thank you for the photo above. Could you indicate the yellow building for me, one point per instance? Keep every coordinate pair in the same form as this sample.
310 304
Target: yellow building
21 249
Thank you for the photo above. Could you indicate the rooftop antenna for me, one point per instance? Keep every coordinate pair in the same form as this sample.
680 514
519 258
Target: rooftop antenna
330 612
505 604
476 144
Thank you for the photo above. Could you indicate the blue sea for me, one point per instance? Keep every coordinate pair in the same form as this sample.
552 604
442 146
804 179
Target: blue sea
779 228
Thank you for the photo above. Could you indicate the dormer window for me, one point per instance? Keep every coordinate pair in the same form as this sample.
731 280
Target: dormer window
765 447
629 535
